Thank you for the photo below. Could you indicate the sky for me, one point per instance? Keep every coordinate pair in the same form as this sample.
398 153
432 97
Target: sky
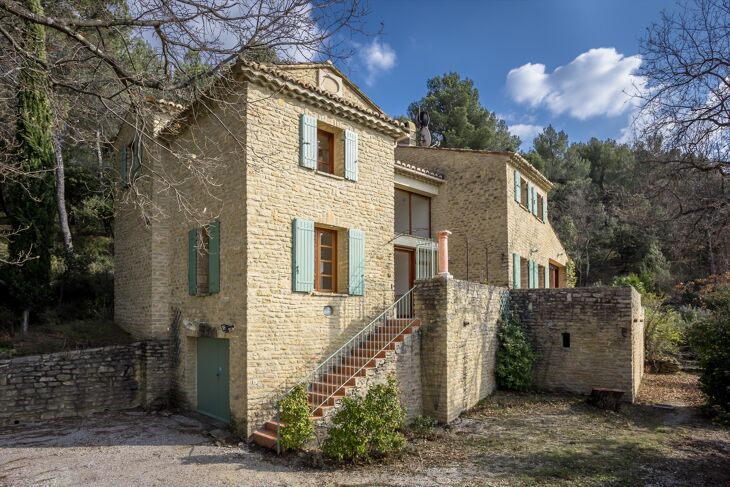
569 63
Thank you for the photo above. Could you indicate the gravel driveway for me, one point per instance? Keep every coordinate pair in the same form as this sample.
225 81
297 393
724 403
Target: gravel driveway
138 448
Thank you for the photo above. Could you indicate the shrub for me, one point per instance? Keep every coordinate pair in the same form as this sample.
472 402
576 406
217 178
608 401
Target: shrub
630 280
366 428
423 427
515 356
570 274
710 338
298 428
663 334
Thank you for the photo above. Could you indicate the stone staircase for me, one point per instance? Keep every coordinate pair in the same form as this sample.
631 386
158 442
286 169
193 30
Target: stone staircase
688 360
337 376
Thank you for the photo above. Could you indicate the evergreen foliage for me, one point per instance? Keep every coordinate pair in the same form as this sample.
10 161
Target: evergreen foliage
367 428
515 356
298 428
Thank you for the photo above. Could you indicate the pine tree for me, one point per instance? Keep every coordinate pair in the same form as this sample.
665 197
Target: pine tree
31 199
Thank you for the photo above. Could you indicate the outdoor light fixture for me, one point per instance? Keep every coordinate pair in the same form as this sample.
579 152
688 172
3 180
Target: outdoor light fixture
227 328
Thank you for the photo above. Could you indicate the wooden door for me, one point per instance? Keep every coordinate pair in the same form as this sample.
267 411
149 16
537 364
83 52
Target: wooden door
213 379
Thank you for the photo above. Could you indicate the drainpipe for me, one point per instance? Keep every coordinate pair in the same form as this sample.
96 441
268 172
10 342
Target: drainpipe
443 237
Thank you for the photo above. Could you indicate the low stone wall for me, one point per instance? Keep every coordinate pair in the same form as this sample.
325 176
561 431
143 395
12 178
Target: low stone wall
458 343
84 381
604 329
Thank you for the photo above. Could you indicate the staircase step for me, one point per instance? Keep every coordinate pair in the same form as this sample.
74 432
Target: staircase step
324 399
272 426
267 439
328 387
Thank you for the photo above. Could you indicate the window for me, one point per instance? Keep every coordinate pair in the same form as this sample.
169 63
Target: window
412 214
540 214
524 274
325 256
566 340
540 276
202 264
325 151
524 192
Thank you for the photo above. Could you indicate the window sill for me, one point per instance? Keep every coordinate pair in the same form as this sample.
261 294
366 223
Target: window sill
330 175
329 295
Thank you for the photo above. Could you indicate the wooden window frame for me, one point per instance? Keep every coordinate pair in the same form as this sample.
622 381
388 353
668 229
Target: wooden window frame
331 161
317 259
410 212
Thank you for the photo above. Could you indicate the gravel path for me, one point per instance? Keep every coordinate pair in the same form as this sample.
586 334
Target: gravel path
510 439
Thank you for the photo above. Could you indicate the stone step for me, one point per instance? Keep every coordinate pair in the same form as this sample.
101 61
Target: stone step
265 438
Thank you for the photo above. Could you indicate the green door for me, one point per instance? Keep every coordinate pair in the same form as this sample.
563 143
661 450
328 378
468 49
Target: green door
213 378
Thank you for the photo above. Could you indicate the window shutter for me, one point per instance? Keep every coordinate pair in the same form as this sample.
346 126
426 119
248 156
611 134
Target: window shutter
544 209
350 155
123 165
356 244
547 275
516 271
193 261
214 257
535 275
308 141
303 258
136 155
518 188
530 275
534 201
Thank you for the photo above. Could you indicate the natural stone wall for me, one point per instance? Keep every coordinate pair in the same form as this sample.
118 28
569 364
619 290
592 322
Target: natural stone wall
287 332
606 337
458 343
84 381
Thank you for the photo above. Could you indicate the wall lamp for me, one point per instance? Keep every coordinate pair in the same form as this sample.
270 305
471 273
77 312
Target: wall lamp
227 328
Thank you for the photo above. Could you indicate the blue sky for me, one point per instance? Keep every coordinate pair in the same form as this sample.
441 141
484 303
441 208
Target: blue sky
511 49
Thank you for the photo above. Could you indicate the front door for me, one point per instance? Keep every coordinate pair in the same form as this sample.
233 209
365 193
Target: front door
213 378
554 276
405 274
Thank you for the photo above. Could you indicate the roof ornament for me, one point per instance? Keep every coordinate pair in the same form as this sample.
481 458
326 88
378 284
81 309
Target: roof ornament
424 134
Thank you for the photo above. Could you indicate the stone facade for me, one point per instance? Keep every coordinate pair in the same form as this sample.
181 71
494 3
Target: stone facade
278 335
81 382
606 337
476 203
458 343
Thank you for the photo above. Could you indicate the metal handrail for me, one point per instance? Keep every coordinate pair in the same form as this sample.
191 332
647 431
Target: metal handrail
336 371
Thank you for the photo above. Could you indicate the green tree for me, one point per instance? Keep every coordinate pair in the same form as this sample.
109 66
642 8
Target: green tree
30 199
458 119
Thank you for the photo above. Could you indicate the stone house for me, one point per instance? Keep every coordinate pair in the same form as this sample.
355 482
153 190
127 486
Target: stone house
317 262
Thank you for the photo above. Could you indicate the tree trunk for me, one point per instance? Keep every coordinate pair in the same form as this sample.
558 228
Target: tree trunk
61 194
710 253
26 319
99 159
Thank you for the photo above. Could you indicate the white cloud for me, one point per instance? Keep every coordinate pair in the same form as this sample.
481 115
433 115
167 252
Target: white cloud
378 58
525 131
600 82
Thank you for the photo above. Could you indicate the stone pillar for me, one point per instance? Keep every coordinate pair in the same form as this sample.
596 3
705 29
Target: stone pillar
443 237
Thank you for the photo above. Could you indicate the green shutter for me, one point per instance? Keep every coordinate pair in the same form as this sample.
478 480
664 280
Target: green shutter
544 209
535 275
214 257
308 141
518 187
303 256
136 155
530 275
123 165
534 201
350 155
193 262
356 247
547 275
516 271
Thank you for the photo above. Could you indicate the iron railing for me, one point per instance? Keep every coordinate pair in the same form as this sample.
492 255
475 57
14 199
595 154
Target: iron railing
326 383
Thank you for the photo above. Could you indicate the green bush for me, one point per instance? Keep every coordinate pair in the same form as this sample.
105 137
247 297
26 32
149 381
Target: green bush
515 356
710 338
423 427
367 428
298 428
663 334
630 280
